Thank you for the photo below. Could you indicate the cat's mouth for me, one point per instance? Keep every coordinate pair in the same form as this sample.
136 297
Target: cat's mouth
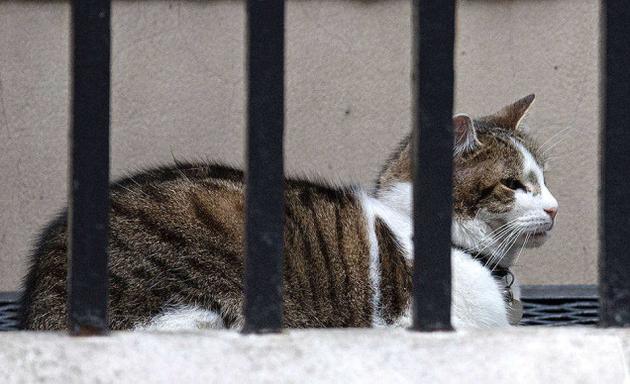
539 233
538 236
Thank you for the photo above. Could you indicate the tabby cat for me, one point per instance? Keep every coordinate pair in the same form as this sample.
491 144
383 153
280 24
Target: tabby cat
176 241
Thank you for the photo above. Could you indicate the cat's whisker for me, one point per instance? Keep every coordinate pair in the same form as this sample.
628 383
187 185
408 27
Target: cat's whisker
515 238
498 250
554 136
496 240
498 244
560 155
505 246
504 225
561 141
494 236
504 241
495 232
488 239
501 252
522 247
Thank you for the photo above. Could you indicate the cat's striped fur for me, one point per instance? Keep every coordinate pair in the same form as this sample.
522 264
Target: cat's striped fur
176 239
176 245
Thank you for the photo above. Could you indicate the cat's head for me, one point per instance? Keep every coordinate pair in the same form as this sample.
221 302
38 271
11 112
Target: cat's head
500 200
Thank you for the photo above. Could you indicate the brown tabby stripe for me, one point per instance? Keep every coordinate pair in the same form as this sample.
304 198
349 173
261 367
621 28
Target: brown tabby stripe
395 271
310 291
340 241
324 251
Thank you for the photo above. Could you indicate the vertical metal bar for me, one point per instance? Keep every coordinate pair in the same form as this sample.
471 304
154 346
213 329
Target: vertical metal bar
89 168
434 34
614 259
265 169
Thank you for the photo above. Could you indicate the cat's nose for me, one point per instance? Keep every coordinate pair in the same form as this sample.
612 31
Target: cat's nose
552 212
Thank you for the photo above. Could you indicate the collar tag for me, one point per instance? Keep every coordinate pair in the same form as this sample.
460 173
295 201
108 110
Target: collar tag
513 307
514 311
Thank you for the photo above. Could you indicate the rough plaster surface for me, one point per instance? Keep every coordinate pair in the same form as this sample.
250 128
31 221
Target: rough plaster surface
335 356
178 91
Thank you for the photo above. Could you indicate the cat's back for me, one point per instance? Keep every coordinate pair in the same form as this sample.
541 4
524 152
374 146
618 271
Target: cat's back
176 238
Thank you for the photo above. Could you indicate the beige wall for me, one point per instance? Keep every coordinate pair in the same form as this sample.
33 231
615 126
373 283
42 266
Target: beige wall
178 91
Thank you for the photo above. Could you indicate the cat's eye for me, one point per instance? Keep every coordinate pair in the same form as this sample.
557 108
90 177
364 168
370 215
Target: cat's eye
513 184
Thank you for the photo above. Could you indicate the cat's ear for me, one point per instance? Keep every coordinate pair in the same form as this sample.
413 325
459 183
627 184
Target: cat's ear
511 116
464 134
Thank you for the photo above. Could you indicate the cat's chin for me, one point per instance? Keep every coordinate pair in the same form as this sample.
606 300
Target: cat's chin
536 240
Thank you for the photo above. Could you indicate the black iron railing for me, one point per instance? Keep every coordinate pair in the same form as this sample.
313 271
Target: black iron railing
433 77
88 213
614 256
432 108
265 170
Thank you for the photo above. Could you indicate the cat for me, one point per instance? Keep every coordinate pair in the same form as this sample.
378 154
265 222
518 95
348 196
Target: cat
176 241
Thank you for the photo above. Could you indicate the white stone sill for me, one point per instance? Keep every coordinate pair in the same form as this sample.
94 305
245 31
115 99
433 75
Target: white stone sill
518 355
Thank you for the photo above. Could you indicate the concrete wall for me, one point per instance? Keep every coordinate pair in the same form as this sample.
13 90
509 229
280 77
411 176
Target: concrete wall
178 91
524 355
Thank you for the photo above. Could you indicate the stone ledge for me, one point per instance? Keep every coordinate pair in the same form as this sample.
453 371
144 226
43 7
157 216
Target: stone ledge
520 355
